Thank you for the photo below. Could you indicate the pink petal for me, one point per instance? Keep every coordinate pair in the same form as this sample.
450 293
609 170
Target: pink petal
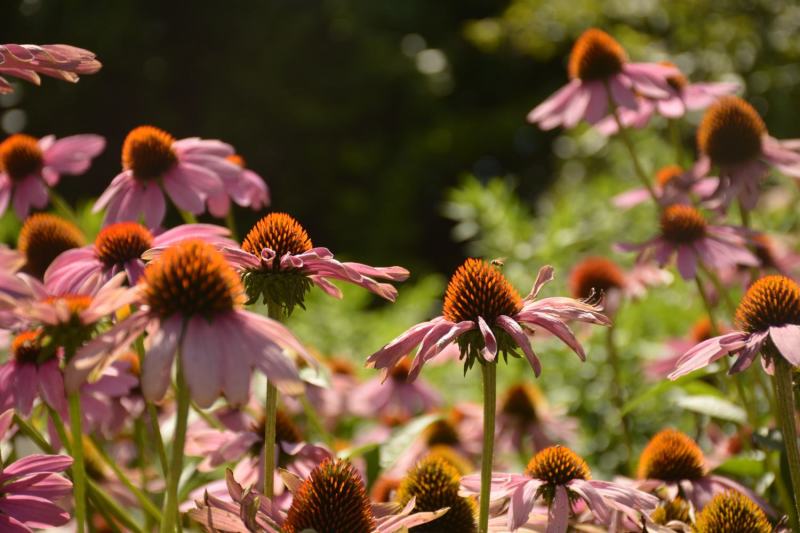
787 340
157 366
490 350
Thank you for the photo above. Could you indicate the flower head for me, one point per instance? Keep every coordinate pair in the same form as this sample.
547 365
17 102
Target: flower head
732 511
44 237
27 61
524 415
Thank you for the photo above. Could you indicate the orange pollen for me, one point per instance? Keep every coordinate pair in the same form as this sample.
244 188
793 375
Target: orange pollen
192 278
278 232
671 456
557 465
383 489
520 402
74 302
237 160
596 56
26 346
682 224
44 237
731 132
477 289
701 331
20 156
134 366
666 174
770 301
122 242
732 511
148 152
595 275
677 82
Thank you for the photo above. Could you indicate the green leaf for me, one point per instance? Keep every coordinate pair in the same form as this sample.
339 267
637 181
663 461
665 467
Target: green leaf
402 439
657 390
743 466
713 406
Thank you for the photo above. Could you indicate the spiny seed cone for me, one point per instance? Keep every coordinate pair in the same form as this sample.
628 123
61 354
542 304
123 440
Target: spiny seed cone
278 232
770 301
764 249
400 371
678 81
732 511
20 156
192 278
557 465
520 402
595 275
596 56
75 303
441 432
435 483
147 151
701 331
332 500
677 509
44 237
671 456
453 457
121 242
731 132
27 346
682 224
478 289
666 174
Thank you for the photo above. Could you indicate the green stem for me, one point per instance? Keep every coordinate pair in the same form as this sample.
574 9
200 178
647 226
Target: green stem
270 432
60 203
489 405
171 518
675 135
617 397
316 423
230 221
188 218
786 418
78 467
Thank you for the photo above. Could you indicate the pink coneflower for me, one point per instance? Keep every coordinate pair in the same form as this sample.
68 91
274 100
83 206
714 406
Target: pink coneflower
245 188
660 368
673 461
189 171
733 138
12 287
279 265
682 97
599 69
29 488
684 231
560 477
486 316
44 237
119 248
395 396
57 60
30 373
672 186
190 301
28 166
768 318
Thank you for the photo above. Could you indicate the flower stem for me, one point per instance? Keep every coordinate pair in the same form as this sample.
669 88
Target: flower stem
675 135
171 518
617 397
489 371
270 432
188 218
78 467
786 418
230 221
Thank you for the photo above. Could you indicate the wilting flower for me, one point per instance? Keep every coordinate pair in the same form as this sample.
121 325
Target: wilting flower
733 138
560 477
396 396
28 166
57 60
673 461
189 171
732 511
119 248
672 186
685 231
768 318
279 265
245 188
44 237
434 484
599 71
486 316
682 97
190 301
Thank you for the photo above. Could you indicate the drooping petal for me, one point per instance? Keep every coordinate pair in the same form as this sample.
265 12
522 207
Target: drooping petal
787 340
157 366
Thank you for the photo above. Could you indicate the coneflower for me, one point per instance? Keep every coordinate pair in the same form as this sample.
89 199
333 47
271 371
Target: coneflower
44 237
732 511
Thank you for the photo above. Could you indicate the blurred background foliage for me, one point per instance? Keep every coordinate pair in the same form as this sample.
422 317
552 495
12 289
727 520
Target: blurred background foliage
395 132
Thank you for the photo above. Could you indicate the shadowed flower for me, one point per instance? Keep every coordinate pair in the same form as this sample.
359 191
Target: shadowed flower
685 232
560 477
190 302
29 373
733 138
27 61
485 315
279 265
672 186
732 511
119 248
245 188
673 461
599 71
395 397
28 166
189 171
44 237
768 318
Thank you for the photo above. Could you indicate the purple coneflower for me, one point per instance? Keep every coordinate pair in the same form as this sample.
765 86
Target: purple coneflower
245 188
119 248
672 186
57 60
28 166
733 511
599 71
189 171
396 396
685 231
44 237
560 477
